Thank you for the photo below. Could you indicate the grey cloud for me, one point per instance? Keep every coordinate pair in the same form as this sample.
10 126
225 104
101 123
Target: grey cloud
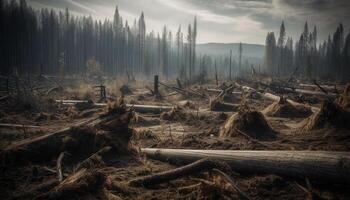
222 20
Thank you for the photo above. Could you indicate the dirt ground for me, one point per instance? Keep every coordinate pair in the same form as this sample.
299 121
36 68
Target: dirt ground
191 125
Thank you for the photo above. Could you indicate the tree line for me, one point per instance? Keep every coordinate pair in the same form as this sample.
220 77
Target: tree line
327 60
57 42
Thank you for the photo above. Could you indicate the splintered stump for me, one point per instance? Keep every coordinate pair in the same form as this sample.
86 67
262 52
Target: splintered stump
81 139
251 124
284 108
331 115
315 165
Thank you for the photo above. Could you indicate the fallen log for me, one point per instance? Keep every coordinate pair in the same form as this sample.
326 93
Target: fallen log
19 126
320 87
285 88
137 108
149 108
277 98
312 86
195 167
311 92
316 165
273 97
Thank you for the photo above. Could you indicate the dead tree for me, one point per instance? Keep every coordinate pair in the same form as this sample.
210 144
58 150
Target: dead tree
319 165
156 85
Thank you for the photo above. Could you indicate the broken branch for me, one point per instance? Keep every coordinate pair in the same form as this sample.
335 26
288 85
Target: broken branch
195 167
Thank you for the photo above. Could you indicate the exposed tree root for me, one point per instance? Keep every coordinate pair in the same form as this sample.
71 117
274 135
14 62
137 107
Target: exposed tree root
198 166
59 167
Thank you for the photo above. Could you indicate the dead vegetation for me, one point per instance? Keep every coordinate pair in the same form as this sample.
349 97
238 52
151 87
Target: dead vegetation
125 90
89 150
219 105
344 99
251 123
285 109
331 115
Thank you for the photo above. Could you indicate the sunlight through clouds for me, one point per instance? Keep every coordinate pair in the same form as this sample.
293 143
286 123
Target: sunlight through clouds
219 20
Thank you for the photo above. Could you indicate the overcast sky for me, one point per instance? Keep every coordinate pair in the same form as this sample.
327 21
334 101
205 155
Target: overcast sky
220 20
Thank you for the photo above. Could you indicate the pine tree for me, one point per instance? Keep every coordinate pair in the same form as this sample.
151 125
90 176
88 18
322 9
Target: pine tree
337 49
289 56
142 36
178 45
240 52
280 45
230 64
270 52
165 52
346 56
194 43
189 48
116 30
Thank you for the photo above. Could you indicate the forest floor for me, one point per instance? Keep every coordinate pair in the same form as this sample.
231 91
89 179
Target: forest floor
191 124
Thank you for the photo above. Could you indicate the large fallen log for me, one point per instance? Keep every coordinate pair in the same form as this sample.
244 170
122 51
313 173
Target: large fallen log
312 86
285 88
273 97
315 165
137 108
311 92
150 108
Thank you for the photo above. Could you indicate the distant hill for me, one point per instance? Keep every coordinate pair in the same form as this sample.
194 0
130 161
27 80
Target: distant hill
217 49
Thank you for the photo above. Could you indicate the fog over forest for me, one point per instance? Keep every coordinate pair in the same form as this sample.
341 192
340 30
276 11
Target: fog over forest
57 40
